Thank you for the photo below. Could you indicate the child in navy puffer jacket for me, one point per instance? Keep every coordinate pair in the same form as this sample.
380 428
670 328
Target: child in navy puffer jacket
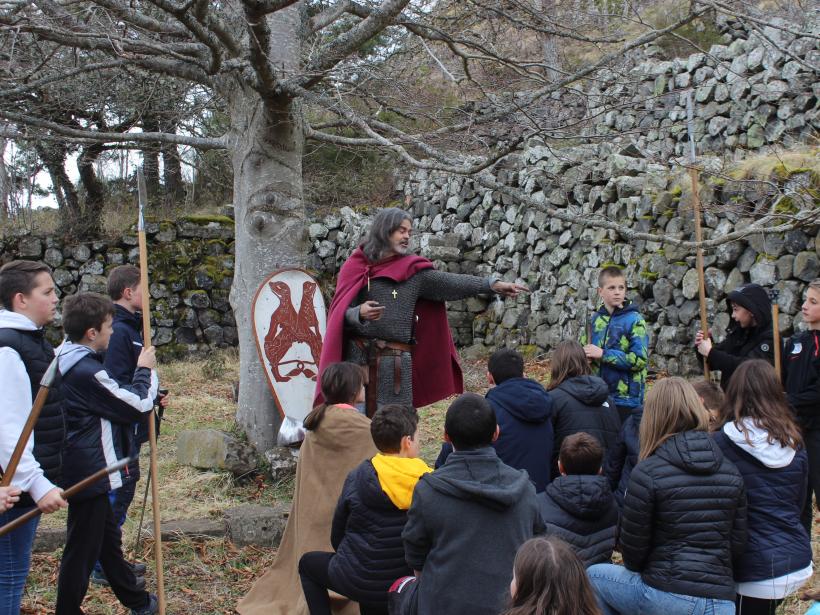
762 439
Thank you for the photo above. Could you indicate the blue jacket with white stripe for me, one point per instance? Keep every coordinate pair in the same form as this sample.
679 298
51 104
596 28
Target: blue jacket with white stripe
93 405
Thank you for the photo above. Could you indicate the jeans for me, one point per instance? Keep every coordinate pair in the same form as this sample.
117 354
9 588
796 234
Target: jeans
621 591
15 560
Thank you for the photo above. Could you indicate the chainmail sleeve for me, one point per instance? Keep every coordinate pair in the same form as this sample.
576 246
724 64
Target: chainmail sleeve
443 286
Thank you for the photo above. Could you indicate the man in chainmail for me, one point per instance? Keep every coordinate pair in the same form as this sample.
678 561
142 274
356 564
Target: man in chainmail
389 311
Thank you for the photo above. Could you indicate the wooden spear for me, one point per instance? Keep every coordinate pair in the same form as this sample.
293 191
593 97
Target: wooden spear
152 426
693 175
39 401
773 295
73 490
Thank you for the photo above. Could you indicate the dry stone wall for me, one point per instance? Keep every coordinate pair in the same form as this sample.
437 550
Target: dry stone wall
191 268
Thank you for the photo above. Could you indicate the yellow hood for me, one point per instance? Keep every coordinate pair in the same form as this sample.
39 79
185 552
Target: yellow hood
398 476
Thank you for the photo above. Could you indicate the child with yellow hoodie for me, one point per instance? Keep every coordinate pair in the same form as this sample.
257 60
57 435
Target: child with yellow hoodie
369 520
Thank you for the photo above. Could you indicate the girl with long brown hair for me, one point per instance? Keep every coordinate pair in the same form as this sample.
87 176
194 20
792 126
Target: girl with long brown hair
761 437
549 579
338 439
580 401
683 517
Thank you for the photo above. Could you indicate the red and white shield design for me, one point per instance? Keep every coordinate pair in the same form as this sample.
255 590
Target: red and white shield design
289 320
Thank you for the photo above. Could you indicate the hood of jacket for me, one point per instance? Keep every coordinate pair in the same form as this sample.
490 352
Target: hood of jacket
589 390
585 496
754 298
755 441
14 320
693 452
627 307
480 476
398 477
523 398
69 354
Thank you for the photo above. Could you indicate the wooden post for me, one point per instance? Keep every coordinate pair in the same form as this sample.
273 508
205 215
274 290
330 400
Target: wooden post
693 176
152 427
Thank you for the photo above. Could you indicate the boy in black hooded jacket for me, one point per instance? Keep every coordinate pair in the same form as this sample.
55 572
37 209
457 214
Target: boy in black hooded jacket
749 336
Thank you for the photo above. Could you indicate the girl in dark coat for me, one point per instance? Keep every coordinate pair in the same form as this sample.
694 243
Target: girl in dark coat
684 516
580 401
763 440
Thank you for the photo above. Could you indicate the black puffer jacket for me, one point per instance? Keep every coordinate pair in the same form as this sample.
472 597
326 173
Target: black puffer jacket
684 518
366 534
579 404
49 430
580 510
740 345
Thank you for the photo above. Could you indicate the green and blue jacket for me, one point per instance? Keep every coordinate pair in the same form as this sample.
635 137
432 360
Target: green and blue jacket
625 340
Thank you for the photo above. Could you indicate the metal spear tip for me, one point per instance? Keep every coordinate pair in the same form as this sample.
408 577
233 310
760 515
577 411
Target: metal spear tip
142 189
51 373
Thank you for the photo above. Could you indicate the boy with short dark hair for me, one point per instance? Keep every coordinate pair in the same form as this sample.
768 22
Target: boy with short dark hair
750 334
120 362
523 411
578 506
619 343
93 403
29 301
467 520
369 519
712 397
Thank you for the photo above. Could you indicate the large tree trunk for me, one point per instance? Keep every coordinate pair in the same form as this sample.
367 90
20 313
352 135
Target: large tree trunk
172 173
90 223
270 215
150 159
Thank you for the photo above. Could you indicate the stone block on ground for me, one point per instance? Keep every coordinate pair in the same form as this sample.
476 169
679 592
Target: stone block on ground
191 529
282 462
252 524
211 449
48 539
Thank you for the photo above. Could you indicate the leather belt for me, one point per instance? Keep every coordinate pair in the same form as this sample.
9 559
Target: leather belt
374 349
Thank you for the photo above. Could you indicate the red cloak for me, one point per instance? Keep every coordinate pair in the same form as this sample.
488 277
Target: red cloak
436 370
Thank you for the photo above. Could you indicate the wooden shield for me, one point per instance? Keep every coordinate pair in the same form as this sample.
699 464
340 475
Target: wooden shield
289 321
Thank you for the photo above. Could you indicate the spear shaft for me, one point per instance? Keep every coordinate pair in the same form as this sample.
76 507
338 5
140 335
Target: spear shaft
693 176
152 427
71 491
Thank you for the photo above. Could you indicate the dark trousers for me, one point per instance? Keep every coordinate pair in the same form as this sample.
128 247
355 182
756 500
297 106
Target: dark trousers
811 438
93 534
756 606
316 580
624 412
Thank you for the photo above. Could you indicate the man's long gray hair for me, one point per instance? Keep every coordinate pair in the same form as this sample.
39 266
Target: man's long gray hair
377 242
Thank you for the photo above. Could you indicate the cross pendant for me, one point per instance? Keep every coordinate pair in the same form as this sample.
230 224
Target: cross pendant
395 294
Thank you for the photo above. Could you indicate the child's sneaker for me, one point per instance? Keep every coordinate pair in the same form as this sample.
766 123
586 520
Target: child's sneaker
150 609
98 578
